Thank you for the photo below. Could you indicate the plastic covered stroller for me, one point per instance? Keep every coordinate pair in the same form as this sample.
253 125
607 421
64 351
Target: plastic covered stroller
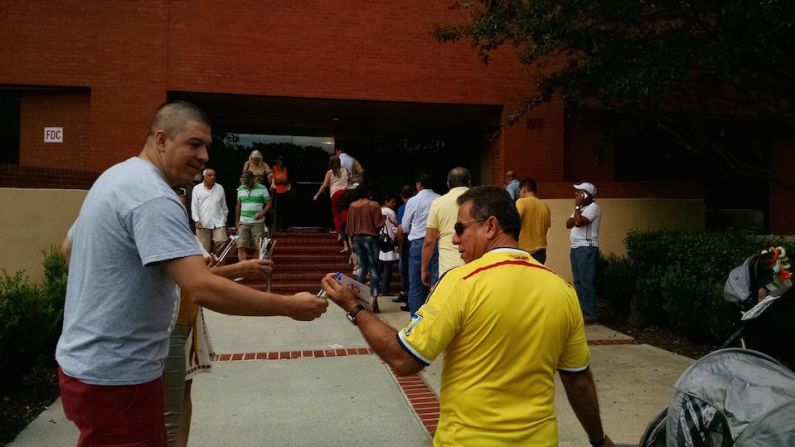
731 397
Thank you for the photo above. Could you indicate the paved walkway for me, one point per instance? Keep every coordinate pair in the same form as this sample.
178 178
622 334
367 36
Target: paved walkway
283 383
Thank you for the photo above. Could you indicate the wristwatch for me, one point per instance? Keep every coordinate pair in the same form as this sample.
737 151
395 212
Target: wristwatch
355 311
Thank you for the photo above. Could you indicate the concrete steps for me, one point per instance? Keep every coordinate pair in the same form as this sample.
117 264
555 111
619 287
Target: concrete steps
300 259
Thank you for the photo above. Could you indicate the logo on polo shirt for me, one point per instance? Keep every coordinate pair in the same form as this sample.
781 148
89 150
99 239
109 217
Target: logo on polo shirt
415 320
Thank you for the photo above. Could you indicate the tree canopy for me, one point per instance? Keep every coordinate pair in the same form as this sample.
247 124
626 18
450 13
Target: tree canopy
674 61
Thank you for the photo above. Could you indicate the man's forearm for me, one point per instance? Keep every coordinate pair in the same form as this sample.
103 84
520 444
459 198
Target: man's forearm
581 392
230 271
570 223
222 295
228 297
66 249
383 339
428 245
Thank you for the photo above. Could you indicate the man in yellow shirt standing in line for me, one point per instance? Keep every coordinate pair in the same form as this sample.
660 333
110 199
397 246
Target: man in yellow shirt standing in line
439 227
506 325
536 221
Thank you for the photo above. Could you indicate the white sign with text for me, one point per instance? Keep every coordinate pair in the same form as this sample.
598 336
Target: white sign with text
53 134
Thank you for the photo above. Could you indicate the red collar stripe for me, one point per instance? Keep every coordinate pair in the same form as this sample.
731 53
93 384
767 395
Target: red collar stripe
501 263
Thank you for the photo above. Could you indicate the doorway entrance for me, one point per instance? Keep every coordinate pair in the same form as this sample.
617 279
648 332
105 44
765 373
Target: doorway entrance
394 141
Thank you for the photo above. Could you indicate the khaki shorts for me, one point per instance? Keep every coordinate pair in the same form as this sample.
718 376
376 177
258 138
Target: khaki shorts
214 236
249 234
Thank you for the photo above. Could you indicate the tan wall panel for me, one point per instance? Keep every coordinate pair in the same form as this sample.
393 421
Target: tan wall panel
32 220
619 216
41 217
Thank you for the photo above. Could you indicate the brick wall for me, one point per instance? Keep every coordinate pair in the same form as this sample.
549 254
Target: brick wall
131 54
66 109
13 176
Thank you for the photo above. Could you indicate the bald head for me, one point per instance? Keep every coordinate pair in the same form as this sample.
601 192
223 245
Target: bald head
172 116
511 175
458 176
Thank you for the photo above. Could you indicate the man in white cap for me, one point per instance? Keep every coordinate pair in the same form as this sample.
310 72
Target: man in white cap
584 224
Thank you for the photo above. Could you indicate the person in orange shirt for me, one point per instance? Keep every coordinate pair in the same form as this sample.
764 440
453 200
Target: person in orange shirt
280 186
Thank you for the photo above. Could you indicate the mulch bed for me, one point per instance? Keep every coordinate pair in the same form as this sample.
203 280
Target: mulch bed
663 338
25 401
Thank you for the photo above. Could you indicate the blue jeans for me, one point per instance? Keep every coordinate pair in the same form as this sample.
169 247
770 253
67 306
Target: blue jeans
367 249
404 266
417 291
583 269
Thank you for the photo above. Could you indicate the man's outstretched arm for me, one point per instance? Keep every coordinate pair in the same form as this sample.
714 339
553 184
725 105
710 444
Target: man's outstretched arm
225 296
379 335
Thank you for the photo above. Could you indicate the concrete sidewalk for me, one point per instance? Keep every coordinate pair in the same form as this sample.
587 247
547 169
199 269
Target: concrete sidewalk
328 390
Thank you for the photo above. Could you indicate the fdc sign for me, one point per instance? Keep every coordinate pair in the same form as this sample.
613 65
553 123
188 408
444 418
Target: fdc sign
53 134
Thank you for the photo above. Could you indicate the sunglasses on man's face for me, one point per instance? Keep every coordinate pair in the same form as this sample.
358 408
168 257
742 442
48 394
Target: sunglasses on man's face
459 227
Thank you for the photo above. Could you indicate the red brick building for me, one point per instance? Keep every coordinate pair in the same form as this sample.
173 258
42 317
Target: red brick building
348 69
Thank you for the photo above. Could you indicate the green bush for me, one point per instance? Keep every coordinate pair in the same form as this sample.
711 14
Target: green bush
678 279
55 277
23 314
615 282
30 317
695 307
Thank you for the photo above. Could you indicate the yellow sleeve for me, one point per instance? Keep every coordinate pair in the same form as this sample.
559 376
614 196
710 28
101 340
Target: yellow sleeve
548 221
576 354
435 323
433 216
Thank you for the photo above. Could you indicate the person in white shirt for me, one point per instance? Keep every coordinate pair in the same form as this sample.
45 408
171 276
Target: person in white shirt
584 225
351 164
209 211
387 259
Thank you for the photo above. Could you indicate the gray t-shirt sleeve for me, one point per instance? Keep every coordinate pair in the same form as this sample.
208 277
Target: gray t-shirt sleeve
160 230
71 233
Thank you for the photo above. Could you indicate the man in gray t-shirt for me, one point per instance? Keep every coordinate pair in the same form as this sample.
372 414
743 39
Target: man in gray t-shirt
131 248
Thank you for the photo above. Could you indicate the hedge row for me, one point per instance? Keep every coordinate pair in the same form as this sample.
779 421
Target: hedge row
675 279
31 316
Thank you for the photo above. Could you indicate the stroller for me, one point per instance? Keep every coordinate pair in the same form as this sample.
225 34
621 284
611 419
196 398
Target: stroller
741 396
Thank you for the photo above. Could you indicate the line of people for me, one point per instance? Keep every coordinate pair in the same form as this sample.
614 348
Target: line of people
209 211
505 323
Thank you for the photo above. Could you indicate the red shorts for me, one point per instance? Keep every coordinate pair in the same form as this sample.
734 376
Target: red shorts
122 416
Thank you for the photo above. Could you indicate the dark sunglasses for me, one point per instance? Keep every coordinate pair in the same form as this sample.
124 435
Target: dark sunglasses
459 227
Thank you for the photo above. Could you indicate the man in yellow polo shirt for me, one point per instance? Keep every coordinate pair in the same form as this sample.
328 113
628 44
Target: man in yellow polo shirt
439 227
536 221
505 323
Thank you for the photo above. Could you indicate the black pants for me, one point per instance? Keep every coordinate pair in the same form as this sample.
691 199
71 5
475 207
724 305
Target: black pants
404 267
540 255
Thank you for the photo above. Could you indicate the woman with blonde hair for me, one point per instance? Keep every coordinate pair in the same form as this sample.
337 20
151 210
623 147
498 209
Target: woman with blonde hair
262 172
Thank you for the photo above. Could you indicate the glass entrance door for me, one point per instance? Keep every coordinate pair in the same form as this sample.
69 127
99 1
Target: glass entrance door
306 161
